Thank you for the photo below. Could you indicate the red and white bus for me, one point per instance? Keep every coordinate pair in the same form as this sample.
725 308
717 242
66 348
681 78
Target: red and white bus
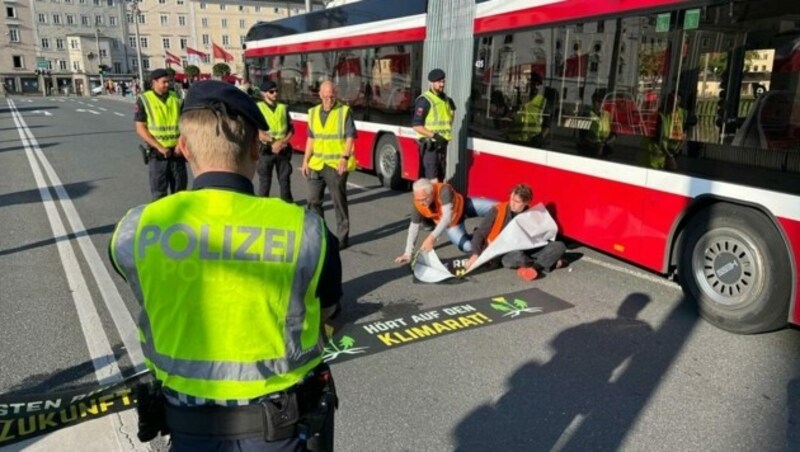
723 212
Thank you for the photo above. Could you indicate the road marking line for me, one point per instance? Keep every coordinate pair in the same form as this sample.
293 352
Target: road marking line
108 290
101 109
119 114
100 352
627 271
568 432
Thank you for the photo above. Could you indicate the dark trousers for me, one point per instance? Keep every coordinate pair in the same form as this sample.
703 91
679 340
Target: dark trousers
433 159
543 258
282 164
189 444
337 185
167 176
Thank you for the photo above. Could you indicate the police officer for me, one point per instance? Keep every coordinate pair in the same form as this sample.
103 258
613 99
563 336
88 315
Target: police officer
276 149
533 119
433 122
156 115
233 290
329 157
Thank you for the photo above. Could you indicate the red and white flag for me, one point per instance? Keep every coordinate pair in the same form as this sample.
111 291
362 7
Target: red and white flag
195 56
219 52
171 58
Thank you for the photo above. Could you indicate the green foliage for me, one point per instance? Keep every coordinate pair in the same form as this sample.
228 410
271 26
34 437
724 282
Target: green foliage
221 70
170 72
192 71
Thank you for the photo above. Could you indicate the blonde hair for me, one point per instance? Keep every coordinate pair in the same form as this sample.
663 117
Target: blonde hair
216 139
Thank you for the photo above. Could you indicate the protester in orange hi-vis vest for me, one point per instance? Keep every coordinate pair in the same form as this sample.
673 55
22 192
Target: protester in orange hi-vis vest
528 263
447 209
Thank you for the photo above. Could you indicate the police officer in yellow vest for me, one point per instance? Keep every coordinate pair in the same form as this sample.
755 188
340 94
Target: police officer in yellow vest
233 290
596 141
329 157
156 115
532 121
660 150
276 149
433 122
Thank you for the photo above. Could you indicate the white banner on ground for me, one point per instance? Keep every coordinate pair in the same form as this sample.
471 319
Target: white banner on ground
531 229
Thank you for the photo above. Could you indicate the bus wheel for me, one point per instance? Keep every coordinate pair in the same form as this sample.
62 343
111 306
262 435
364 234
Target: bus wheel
734 264
387 162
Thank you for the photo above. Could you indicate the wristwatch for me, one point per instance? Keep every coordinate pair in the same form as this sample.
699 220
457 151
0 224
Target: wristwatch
345 157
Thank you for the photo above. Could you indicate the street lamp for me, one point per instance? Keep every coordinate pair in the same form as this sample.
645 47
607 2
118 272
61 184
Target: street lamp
100 56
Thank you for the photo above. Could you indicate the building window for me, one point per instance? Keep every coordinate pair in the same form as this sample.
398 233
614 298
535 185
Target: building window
68 2
143 41
103 53
205 40
83 2
182 21
70 19
184 43
165 42
130 18
11 12
73 43
59 43
112 21
146 63
241 8
85 20
241 39
117 67
224 23
222 7
99 20
76 66
110 2
277 10
57 19
226 40
62 65
180 2
204 22
134 63
258 9
164 20
115 43
13 35
45 43
206 58
242 24
42 18
142 18
19 61
202 5
96 2
162 2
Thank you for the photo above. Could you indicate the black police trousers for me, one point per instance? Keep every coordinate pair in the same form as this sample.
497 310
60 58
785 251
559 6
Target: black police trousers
282 164
433 159
180 443
167 176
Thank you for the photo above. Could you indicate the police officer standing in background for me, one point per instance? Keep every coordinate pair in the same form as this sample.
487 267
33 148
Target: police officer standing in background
329 157
276 150
433 122
232 332
156 115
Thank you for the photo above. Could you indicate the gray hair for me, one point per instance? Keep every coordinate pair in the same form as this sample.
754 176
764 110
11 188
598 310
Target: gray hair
424 185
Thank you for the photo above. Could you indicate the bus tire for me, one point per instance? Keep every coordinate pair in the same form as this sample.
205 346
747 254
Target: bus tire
387 162
735 266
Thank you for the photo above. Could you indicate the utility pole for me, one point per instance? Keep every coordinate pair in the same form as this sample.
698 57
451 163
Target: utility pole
138 42
100 59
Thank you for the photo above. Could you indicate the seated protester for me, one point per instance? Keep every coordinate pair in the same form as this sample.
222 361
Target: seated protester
596 141
529 263
448 209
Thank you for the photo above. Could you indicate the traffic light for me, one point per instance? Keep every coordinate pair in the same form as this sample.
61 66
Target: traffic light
102 69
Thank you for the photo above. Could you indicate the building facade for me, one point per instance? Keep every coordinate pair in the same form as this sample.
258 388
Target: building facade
60 46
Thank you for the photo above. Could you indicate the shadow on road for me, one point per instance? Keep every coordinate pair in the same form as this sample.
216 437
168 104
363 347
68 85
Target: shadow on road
4 129
106 229
379 233
793 408
22 148
589 395
107 132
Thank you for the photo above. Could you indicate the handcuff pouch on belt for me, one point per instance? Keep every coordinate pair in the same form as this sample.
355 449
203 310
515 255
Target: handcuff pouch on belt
150 408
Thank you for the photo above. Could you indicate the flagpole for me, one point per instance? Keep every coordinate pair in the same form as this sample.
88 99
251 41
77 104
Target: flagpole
138 42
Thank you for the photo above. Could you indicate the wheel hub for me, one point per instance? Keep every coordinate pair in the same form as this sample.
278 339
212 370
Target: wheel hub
725 266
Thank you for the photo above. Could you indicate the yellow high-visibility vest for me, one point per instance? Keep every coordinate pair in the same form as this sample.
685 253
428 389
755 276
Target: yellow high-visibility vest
329 139
440 116
276 119
227 283
162 117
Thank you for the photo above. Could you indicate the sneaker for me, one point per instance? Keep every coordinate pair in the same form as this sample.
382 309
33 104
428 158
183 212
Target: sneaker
527 273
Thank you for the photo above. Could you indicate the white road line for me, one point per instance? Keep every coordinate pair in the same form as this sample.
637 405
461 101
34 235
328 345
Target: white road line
568 432
119 114
101 109
108 290
627 271
103 360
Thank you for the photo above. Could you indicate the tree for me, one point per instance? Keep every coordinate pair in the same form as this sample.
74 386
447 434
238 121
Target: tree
191 71
170 73
221 70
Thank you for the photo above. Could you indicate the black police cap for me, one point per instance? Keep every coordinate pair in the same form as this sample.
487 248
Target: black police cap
268 85
435 75
224 97
158 73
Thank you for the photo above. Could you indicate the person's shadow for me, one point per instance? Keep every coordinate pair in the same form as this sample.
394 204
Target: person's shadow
793 416
547 403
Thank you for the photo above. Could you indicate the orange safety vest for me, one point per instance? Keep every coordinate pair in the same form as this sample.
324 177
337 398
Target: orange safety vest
499 222
458 205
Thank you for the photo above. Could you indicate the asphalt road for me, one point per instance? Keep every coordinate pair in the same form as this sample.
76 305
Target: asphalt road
626 366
